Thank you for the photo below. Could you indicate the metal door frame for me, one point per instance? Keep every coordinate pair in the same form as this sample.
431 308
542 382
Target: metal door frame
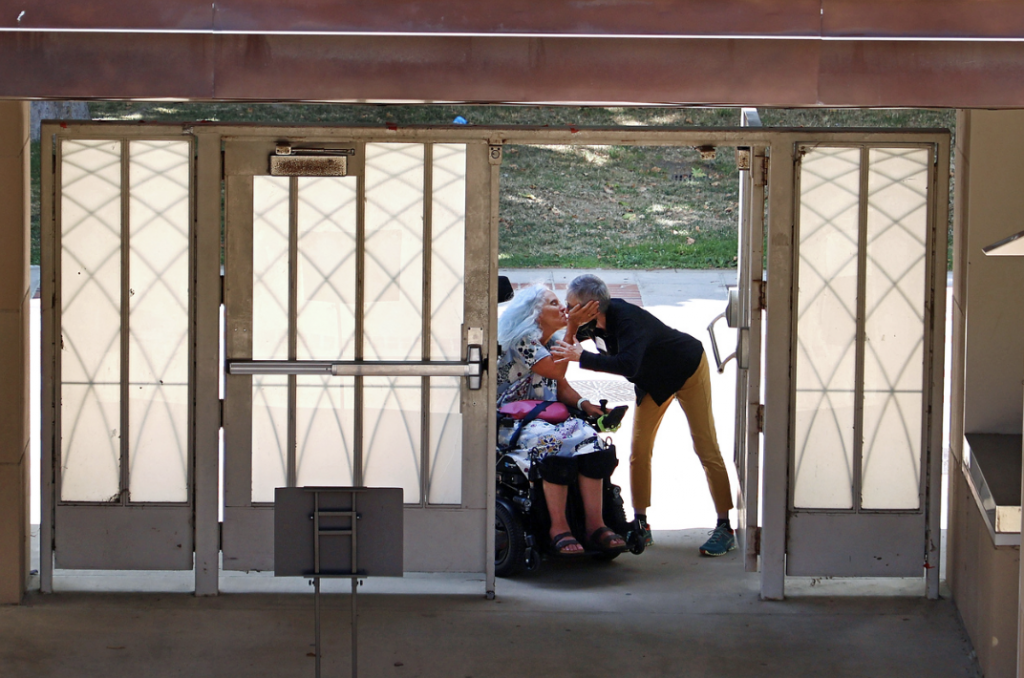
750 285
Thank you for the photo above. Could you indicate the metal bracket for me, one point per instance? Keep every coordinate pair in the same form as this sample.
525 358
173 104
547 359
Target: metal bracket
760 418
742 159
494 154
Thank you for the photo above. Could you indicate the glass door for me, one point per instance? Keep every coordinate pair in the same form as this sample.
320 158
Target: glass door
117 319
869 261
350 318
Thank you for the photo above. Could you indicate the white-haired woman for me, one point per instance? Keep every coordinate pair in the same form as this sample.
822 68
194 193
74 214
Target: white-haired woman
571 449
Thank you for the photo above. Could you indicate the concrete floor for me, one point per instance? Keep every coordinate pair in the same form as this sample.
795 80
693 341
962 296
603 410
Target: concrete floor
667 612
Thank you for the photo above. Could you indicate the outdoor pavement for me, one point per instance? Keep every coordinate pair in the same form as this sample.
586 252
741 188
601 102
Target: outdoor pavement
667 612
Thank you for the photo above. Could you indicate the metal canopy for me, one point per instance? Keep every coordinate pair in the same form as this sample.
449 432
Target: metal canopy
958 53
742 18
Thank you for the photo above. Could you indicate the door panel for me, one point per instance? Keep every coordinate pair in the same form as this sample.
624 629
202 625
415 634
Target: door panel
859 544
120 352
369 267
863 377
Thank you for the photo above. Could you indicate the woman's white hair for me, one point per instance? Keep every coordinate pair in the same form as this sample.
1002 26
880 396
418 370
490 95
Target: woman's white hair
519 320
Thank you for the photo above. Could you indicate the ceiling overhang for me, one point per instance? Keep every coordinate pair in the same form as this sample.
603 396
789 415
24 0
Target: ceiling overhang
942 53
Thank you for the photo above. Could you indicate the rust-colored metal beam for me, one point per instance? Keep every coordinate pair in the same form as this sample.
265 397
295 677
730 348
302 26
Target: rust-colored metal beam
728 18
922 18
566 70
536 17
753 52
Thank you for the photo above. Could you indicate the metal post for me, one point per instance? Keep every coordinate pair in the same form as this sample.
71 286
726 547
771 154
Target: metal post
355 587
316 605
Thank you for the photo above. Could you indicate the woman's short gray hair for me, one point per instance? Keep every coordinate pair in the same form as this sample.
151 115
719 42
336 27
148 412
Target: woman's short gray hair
588 287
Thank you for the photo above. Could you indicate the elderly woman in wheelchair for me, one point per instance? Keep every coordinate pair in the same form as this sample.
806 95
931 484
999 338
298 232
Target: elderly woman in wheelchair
565 450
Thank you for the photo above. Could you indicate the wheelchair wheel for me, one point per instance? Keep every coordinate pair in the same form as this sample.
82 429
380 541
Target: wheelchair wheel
509 543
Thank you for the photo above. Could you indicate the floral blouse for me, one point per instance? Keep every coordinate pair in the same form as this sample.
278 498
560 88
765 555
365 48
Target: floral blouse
516 378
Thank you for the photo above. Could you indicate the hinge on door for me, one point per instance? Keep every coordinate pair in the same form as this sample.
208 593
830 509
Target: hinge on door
761 178
761 295
760 418
220 405
221 289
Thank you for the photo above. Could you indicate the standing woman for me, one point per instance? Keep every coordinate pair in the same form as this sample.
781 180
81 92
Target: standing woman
526 371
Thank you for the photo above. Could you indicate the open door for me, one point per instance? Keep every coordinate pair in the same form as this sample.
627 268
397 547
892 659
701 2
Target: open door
857 271
747 319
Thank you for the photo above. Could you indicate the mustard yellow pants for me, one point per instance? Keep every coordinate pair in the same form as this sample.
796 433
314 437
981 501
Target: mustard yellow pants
695 399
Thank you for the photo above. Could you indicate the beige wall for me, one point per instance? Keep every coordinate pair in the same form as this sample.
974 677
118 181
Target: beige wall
14 377
995 285
987 371
985 589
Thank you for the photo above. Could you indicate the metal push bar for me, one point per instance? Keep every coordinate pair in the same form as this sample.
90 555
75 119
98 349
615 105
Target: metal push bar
472 368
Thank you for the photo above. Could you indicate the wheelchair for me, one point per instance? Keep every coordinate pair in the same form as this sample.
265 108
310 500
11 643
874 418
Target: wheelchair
522 521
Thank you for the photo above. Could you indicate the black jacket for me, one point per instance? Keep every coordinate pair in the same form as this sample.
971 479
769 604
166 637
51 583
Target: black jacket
654 357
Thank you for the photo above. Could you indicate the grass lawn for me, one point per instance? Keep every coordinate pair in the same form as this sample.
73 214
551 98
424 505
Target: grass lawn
563 206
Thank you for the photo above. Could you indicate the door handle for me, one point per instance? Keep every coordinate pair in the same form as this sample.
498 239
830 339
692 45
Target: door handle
714 343
472 368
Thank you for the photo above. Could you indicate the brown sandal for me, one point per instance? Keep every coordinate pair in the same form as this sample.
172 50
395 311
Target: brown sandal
562 541
601 540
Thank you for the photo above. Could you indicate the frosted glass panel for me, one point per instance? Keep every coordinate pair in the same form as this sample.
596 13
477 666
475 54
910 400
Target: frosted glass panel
444 482
90 320
326 283
158 320
270 268
448 244
394 252
269 335
826 329
326 268
894 328
324 420
391 432
269 436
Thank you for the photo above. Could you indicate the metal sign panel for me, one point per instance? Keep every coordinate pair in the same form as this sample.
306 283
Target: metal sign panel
316 533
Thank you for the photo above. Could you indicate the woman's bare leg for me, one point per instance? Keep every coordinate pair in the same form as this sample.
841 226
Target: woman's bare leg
556 496
591 491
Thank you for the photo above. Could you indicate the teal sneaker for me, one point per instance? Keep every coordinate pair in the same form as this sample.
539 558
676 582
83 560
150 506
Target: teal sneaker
645 532
721 542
